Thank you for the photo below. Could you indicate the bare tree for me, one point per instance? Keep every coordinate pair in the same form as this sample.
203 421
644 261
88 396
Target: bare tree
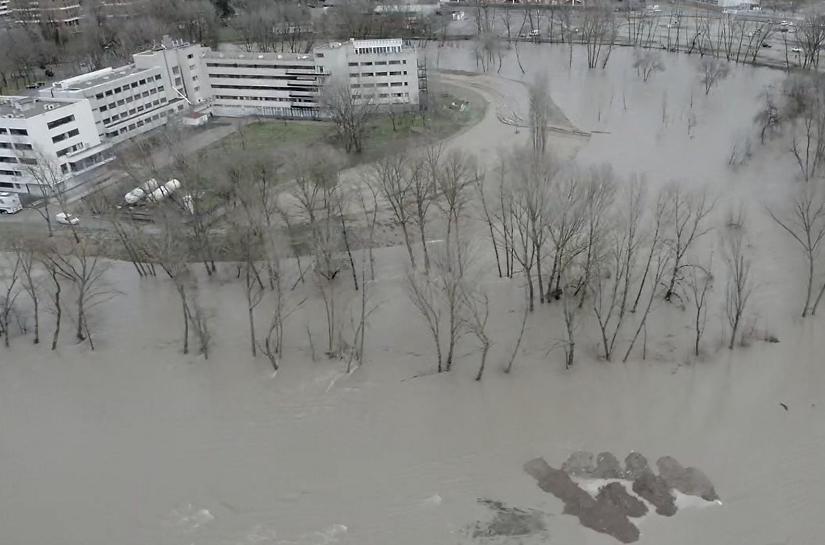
647 62
711 71
281 307
391 177
598 30
86 269
805 223
12 271
687 225
476 305
540 111
615 267
700 283
423 292
350 112
455 177
30 279
739 288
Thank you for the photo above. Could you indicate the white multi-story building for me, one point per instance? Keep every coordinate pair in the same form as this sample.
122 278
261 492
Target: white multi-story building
46 12
176 77
383 71
266 84
46 141
5 10
125 101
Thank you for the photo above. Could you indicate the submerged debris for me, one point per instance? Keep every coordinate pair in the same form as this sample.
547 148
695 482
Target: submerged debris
508 522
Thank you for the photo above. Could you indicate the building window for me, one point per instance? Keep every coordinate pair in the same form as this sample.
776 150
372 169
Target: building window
395 84
140 123
395 73
107 121
140 108
319 55
160 88
132 127
395 62
176 70
157 77
5 145
163 100
18 132
353 64
121 102
377 74
190 55
109 93
194 78
145 94
404 61
115 117
58 122
197 89
142 82
177 82
134 84
130 98
405 72
380 63
104 108
132 111
366 63
8 160
117 90
99 96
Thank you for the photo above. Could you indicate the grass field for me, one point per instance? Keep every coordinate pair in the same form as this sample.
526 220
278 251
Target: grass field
387 134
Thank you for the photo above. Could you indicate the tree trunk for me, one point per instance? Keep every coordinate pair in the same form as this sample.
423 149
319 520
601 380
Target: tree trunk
484 351
58 311
36 320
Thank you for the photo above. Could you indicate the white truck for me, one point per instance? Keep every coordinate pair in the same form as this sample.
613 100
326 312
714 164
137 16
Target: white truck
10 203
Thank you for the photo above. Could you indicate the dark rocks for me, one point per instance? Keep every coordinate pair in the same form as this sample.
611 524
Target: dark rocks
579 464
618 495
600 515
607 467
690 481
635 466
654 489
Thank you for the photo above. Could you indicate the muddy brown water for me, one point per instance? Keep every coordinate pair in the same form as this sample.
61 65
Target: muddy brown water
136 444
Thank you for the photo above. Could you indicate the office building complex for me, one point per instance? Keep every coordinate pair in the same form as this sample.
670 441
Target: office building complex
45 141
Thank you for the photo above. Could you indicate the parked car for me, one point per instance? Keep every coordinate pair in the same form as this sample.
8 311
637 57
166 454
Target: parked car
66 219
796 49
766 44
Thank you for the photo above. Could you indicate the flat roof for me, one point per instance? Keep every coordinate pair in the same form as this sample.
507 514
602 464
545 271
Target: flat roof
238 55
99 77
25 107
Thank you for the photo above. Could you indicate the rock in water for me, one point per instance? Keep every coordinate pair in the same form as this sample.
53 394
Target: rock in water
580 464
618 495
600 515
654 489
636 466
607 467
688 481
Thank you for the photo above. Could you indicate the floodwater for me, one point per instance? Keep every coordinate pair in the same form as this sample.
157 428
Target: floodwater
136 444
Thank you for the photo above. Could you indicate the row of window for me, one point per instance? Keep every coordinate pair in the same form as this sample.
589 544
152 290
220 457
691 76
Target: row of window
265 99
139 123
378 63
65 135
371 85
58 122
14 132
262 88
17 145
134 84
382 95
131 98
64 151
254 76
261 66
15 173
376 74
133 111
371 50
15 160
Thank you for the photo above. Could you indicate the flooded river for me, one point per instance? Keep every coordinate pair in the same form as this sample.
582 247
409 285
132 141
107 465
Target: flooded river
136 444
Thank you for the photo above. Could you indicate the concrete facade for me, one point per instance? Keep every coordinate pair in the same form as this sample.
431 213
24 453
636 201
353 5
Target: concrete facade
46 141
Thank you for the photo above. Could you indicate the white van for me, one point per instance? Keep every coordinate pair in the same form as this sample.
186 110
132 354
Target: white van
10 203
